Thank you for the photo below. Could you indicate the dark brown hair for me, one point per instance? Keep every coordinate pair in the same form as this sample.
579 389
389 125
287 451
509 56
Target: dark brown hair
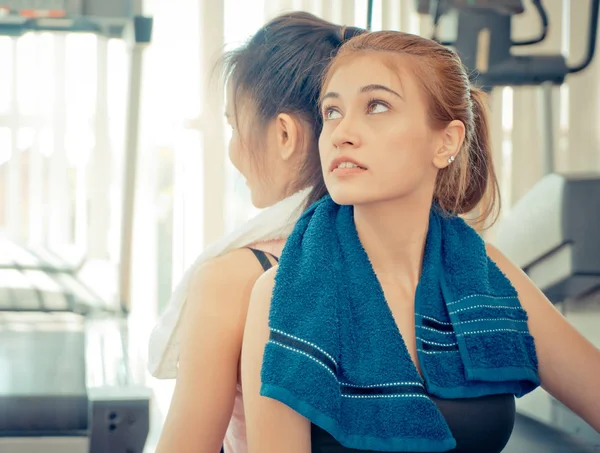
470 181
279 70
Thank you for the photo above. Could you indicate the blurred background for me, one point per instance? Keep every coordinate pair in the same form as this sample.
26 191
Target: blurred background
114 176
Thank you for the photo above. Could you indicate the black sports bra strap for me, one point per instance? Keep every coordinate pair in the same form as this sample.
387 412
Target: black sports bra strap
262 259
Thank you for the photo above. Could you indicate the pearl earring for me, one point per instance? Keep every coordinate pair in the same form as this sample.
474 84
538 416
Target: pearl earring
451 159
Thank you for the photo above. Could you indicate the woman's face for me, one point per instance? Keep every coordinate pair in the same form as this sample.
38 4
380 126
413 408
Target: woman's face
376 143
258 166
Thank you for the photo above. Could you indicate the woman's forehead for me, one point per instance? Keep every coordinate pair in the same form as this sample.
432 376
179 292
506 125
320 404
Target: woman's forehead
371 68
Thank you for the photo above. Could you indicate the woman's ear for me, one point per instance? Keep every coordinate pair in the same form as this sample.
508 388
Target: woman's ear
453 136
288 135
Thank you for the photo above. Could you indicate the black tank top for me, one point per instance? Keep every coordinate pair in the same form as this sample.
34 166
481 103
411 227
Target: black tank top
479 425
262 258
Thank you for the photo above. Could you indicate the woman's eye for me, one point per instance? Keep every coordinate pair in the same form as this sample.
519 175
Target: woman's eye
377 107
332 114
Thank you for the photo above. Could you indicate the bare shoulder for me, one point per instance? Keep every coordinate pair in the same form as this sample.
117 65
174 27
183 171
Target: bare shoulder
238 264
545 322
267 280
220 289
505 265
263 288
233 272
528 292
542 313
260 302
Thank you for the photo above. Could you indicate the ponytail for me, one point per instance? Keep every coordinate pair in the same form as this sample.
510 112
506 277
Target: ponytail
481 186
470 182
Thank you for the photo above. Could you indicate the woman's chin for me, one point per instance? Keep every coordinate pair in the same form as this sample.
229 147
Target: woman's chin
344 198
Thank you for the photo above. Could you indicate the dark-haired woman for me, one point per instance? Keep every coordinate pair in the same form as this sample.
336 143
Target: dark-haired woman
273 88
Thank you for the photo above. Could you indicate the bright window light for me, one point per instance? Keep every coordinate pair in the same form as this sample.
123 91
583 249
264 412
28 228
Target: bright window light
6 87
27 74
5 145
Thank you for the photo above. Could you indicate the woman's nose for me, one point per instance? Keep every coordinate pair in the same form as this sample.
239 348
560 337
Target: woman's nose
345 134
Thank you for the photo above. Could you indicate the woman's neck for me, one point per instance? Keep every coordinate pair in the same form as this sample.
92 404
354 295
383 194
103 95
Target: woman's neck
393 233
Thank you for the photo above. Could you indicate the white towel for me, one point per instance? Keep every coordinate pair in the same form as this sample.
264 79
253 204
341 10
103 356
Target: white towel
275 222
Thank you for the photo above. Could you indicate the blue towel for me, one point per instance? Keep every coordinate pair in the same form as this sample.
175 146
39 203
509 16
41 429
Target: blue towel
335 354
